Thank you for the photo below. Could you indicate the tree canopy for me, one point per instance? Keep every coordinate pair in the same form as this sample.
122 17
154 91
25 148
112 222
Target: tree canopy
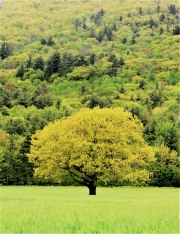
93 147
57 57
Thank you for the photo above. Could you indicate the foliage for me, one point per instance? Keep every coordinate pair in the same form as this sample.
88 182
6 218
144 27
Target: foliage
90 53
5 50
99 146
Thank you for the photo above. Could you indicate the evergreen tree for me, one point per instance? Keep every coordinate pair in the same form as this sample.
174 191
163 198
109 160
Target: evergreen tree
161 30
53 65
66 64
152 23
24 169
158 8
56 62
5 50
77 23
142 84
124 40
58 103
100 36
140 11
50 41
83 90
133 41
43 41
84 26
81 60
114 66
92 58
29 62
176 30
92 33
114 27
20 71
121 61
39 63
172 9
156 97
122 89
162 17
109 34
49 69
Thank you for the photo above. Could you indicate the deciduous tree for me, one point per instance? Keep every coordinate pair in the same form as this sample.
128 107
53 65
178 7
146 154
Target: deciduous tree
94 147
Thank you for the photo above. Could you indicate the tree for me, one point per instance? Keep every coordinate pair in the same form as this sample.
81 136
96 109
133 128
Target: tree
4 156
39 63
81 73
140 11
50 41
133 40
158 8
92 33
24 167
9 157
20 71
100 36
142 84
165 169
122 89
109 34
56 62
93 147
41 97
172 9
162 17
176 30
95 100
161 30
24 98
124 40
58 103
5 50
53 65
43 41
168 133
16 125
29 62
156 97
92 58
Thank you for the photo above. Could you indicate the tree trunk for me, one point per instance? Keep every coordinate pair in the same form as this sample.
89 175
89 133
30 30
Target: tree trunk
92 190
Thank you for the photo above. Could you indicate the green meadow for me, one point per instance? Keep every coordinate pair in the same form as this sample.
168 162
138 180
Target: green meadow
72 210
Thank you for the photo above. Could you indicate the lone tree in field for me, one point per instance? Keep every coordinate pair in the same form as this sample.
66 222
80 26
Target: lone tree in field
93 147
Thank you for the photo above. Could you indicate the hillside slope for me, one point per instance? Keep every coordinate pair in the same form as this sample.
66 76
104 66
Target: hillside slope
60 56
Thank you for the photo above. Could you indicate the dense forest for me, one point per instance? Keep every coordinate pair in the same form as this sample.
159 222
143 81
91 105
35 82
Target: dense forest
59 56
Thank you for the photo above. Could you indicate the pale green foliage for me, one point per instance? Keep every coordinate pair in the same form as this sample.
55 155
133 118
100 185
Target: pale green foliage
80 73
98 146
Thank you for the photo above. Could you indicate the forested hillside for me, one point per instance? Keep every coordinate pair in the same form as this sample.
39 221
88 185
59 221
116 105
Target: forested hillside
59 56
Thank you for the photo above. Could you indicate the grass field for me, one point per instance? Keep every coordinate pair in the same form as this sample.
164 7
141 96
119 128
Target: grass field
72 210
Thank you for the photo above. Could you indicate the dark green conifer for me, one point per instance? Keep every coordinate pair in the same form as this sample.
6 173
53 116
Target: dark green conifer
5 50
39 63
20 71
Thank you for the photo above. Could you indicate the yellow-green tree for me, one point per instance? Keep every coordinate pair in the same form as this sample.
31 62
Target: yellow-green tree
94 147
